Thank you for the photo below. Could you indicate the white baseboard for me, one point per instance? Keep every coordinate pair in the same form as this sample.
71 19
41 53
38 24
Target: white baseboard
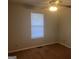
65 45
38 46
31 47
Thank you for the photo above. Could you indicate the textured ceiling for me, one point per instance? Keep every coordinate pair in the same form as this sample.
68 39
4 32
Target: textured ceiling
32 2
38 2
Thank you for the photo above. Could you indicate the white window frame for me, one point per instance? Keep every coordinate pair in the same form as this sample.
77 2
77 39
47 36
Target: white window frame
37 25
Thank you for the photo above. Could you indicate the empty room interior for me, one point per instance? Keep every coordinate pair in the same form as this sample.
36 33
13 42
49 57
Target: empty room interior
39 29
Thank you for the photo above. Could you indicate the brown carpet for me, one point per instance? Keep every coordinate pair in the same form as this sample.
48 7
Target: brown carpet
55 51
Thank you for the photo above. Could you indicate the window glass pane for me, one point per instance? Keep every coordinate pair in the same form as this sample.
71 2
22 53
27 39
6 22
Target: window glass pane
37 32
37 19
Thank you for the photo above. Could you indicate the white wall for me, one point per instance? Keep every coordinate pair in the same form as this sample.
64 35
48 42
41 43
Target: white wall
64 26
20 27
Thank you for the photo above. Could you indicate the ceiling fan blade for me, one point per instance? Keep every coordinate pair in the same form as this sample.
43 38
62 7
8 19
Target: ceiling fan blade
69 6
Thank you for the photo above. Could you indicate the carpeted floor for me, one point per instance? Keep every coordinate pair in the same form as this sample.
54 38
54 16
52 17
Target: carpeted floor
55 51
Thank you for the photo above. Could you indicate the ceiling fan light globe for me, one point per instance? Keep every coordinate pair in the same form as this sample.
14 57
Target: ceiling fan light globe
57 2
53 8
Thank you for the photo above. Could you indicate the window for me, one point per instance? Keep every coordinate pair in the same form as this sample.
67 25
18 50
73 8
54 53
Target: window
37 25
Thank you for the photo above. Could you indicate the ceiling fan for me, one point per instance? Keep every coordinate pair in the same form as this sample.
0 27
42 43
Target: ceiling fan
53 4
58 3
